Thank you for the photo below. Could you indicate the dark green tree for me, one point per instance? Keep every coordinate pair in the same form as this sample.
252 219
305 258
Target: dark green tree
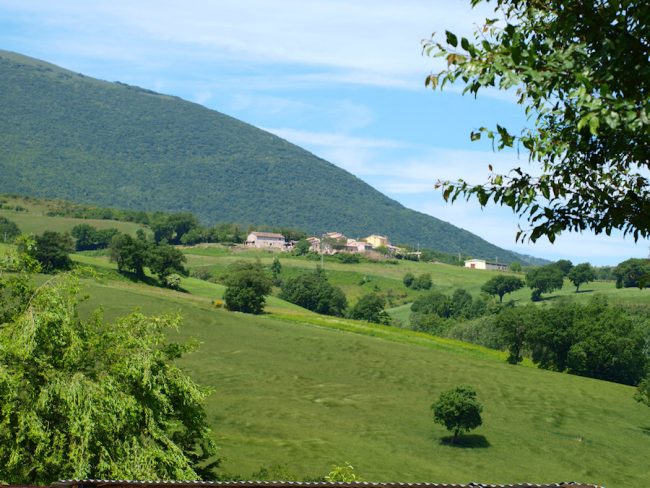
581 273
422 282
164 260
408 279
565 265
247 287
544 279
8 230
581 72
370 308
515 267
515 324
130 254
314 292
89 238
632 273
458 410
96 399
500 285
52 250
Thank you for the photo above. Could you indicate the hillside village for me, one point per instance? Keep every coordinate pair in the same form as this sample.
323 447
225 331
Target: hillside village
329 243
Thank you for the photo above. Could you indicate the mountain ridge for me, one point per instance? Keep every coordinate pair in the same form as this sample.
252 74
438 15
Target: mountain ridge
113 144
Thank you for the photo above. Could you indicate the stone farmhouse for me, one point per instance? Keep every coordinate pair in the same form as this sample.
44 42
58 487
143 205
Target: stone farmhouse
266 240
483 264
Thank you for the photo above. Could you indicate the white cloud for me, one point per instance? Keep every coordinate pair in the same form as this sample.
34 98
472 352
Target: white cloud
363 42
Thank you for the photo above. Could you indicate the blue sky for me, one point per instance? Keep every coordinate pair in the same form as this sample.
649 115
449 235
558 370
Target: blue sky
343 79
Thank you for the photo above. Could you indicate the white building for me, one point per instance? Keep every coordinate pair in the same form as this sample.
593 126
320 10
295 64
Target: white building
483 264
266 240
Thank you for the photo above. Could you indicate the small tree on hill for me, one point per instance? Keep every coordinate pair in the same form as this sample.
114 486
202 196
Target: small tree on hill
458 410
501 285
581 273
247 287
313 292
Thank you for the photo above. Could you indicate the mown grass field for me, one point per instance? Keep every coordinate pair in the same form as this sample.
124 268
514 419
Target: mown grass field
308 393
305 391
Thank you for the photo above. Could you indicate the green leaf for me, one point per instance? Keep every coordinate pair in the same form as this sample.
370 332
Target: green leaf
451 38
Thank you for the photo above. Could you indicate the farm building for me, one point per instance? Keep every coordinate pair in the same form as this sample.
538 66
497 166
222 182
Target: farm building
483 264
266 240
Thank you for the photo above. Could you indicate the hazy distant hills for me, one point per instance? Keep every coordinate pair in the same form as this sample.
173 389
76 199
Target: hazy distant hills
65 135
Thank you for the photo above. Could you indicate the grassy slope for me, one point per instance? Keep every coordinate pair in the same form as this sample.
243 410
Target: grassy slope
306 394
295 388
34 220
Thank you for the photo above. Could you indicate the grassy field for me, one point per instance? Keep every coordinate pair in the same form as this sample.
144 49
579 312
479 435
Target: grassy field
297 389
308 393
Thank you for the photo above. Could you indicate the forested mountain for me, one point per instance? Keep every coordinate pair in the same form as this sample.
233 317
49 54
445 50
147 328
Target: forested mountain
65 135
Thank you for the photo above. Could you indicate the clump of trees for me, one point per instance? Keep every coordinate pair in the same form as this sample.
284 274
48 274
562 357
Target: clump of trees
632 273
50 249
89 238
420 282
247 286
133 254
597 339
434 311
458 409
314 292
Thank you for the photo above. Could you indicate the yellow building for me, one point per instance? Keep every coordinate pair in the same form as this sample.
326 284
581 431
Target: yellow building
377 241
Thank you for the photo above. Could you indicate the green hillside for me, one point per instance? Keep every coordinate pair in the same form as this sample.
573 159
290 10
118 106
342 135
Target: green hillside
69 136
306 392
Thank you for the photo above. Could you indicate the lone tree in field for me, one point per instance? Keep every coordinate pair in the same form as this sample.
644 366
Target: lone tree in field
458 410
581 273
502 284
580 71
643 392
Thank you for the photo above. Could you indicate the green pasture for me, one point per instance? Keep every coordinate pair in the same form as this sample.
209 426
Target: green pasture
298 389
36 223
308 392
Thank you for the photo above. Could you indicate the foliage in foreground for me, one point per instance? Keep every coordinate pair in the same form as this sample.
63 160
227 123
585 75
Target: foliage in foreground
458 410
581 71
82 398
